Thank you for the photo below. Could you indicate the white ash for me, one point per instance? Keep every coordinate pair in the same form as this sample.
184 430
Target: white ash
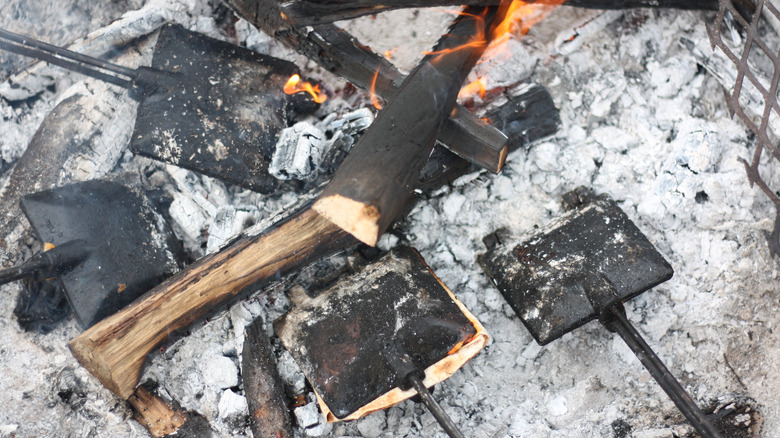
229 222
594 22
372 425
307 415
232 405
253 38
301 149
298 152
350 123
220 371
640 123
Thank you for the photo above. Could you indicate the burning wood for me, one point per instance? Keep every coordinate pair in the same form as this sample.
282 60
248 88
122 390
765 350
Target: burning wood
337 51
181 312
115 349
294 85
372 185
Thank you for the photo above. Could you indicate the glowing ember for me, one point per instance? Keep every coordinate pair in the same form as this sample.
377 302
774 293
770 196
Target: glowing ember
294 85
389 53
374 98
475 88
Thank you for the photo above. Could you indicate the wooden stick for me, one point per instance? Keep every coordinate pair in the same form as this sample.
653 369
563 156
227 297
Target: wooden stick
337 51
114 350
372 185
269 415
154 414
311 12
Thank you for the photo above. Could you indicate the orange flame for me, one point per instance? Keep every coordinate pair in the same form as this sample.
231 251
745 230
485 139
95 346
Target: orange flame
477 40
478 88
456 348
389 53
372 91
522 15
294 85
460 345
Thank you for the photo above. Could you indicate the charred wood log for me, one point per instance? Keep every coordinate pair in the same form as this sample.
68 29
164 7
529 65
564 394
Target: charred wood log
310 12
268 412
337 51
528 115
372 185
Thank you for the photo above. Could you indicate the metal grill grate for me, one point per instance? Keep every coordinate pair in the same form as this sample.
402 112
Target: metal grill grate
754 97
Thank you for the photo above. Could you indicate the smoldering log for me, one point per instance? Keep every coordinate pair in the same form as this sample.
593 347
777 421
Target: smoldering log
268 412
337 51
310 12
372 185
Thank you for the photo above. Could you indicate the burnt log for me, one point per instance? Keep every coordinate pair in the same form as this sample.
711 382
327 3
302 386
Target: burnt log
337 51
372 185
268 412
310 12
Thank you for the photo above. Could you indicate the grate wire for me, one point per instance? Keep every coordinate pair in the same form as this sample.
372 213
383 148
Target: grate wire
753 84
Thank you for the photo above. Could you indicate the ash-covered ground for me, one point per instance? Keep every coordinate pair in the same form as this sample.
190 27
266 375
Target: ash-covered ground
642 121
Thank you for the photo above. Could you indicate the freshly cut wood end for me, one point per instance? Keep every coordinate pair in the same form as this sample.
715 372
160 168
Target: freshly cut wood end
86 353
356 218
501 159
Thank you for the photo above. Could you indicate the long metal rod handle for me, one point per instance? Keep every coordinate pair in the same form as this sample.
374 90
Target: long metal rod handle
61 52
660 373
427 399
18 272
59 258
65 63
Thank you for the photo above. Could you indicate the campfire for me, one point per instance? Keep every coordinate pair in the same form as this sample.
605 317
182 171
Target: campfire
299 218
